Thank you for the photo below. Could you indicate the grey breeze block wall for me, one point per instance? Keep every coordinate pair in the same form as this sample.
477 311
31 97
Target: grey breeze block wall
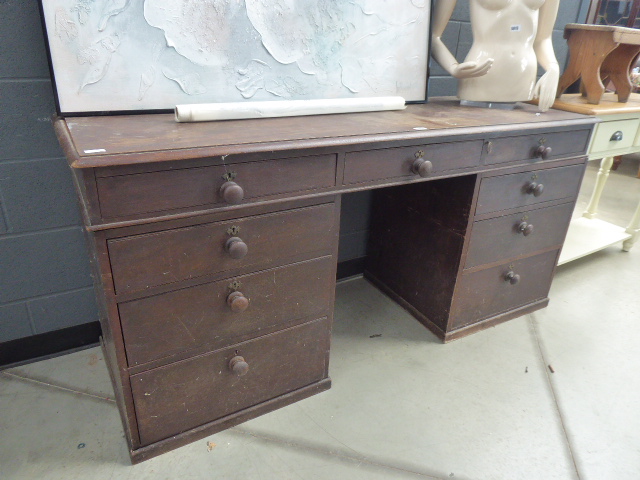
45 283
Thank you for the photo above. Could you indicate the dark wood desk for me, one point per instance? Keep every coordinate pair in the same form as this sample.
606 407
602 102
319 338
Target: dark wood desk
215 244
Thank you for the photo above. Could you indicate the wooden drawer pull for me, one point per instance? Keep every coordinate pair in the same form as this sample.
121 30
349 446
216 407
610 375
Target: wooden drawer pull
512 277
238 366
422 167
534 189
231 192
236 248
238 302
525 229
543 152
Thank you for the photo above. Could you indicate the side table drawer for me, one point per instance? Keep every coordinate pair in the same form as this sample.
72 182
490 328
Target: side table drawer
172 399
524 147
158 326
488 292
142 261
503 237
528 188
615 135
125 195
390 163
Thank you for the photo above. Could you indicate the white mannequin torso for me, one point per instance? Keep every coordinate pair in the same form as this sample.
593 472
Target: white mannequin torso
510 37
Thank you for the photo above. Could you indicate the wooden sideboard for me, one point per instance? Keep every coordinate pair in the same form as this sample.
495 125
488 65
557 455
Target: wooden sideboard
214 245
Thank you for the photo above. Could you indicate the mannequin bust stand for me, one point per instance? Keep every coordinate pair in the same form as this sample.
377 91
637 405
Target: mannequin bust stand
510 39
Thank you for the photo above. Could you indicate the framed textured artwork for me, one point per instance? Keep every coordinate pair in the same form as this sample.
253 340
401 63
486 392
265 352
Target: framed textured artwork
150 55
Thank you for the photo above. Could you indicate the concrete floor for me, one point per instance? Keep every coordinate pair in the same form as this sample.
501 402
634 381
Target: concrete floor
402 405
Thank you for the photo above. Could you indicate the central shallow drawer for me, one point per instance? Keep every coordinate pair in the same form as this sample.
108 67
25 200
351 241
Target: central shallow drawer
518 189
488 292
142 261
500 237
172 399
390 163
158 326
125 195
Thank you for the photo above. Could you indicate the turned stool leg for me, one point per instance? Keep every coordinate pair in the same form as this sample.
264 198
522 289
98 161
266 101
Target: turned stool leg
587 52
617 67
603 174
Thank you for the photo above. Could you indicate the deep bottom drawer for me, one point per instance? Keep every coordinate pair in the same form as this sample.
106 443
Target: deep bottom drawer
172 399
488 292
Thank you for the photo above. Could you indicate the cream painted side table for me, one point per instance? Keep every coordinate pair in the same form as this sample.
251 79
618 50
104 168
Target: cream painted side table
617 134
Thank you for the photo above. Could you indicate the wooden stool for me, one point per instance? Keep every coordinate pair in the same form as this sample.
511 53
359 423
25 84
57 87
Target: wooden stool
598 53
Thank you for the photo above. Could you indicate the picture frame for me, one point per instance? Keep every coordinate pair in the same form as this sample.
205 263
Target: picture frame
144 56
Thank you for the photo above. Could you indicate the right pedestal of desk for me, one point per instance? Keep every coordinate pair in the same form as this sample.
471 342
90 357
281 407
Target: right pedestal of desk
617 134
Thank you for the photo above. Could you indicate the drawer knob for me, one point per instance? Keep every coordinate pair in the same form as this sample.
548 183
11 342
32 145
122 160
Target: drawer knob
238 302
238 366
543 152
231 192
236 248
617 136
535 189
512 277
525 229
422 167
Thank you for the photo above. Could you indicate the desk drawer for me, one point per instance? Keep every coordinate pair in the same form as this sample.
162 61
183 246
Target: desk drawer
393 163
142 261
605 139
125 195
176 321
515 190
501 237
487 292
524 147
172 399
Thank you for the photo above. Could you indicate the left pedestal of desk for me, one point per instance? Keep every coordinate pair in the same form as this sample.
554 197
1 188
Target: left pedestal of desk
214 309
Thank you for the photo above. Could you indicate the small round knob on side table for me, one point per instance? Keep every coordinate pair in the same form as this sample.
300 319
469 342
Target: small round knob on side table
535 189
525 229
543 152
238 302
231 192
422 167
512 277
238 366
236 248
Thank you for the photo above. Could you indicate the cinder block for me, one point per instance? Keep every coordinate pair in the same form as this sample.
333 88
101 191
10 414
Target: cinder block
14 322
355 211
22 48
38 194
353 245
63 310
442 86
25 124
43 264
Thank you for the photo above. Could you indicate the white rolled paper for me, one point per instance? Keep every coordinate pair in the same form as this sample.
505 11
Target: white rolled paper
205 112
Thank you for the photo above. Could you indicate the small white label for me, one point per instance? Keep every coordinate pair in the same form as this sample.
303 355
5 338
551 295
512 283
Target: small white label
516 28
420 128
96 150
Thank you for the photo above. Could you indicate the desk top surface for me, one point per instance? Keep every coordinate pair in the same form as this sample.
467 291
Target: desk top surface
130 139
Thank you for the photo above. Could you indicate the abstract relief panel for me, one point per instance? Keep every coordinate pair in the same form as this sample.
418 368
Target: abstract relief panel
123 55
